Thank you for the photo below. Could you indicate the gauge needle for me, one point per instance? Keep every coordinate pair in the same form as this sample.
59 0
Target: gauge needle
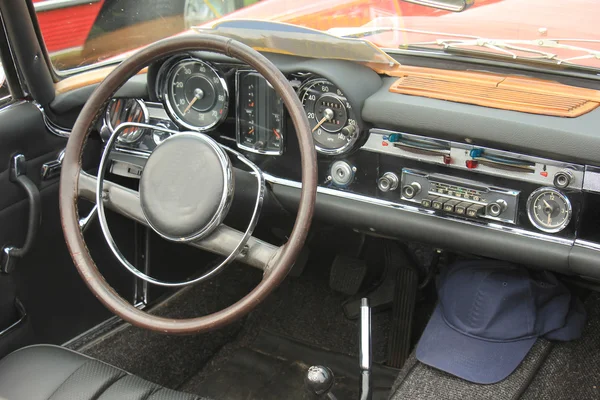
190 105
276 133
550 219
198 94
328 116
546 204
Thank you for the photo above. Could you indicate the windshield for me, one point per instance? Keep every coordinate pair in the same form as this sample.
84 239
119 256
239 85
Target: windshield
81 33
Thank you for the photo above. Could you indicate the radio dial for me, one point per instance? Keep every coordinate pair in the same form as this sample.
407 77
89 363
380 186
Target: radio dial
388 182
496 208
411 190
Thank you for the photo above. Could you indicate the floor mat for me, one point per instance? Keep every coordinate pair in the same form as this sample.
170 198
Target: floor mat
305 308
273 367
572 370
171 360
420 382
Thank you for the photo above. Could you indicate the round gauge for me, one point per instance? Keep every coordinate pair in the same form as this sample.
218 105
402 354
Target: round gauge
126 110
330 115
549 209
196 95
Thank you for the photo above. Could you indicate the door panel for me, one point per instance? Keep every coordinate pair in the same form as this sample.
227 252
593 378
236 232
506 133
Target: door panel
59 306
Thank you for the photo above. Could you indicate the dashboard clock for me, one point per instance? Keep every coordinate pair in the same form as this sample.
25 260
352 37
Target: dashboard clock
549 209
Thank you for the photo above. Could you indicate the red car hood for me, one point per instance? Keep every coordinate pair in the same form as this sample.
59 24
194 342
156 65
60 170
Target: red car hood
508 20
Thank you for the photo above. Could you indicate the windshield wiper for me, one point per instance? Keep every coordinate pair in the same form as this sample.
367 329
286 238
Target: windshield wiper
509 47
506 46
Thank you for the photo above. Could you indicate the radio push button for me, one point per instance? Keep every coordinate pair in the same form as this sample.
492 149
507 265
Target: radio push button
475 210
438 204
461 208
450 205
426 202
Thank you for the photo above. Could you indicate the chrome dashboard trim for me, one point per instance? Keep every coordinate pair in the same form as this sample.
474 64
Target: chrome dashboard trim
543 173
51 126
586 244
413 209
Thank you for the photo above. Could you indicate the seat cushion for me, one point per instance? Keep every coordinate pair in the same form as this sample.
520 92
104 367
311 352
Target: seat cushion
46 372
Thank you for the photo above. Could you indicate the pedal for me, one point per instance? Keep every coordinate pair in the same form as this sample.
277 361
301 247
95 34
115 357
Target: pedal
347 274
403 308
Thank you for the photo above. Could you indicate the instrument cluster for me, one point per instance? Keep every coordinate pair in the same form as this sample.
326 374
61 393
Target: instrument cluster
195 94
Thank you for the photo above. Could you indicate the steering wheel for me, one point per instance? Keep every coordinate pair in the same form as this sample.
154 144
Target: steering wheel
185 191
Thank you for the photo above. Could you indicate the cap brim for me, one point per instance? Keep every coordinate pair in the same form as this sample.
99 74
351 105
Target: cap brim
474 360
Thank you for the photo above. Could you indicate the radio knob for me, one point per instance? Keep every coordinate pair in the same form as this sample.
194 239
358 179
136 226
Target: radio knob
411 190
496 208
388 182
563 179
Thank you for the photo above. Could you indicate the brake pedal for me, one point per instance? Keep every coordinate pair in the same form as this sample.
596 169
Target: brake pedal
347 274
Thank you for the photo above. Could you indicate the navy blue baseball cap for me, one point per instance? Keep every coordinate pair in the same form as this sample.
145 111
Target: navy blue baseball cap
489 315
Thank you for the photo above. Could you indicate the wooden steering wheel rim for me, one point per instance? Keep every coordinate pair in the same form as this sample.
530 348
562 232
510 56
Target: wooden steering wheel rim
71 168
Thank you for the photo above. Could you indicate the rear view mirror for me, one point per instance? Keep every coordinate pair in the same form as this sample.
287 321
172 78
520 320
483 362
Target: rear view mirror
449 5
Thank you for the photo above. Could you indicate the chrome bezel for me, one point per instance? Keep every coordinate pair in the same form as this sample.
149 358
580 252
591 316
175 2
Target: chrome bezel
111 129
531 214
166 75
352 141
237 118
226 198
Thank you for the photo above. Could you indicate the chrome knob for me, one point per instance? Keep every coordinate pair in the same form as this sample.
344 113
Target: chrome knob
410 191
563 179
496 208
342 173
388 182
318 380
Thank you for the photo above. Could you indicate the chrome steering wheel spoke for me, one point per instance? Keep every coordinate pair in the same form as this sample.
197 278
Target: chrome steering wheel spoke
223 240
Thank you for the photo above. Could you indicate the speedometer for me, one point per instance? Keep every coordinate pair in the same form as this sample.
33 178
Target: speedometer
196 95
330 115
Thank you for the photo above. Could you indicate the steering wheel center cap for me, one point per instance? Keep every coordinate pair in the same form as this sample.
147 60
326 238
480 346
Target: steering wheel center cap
186 187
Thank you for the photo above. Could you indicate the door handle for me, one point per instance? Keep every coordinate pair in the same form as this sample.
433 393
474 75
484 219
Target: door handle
52 169
10 254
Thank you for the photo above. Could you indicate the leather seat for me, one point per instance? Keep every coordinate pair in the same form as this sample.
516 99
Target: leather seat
46 372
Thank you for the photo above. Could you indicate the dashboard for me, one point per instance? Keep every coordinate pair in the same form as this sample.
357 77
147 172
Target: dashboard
383 168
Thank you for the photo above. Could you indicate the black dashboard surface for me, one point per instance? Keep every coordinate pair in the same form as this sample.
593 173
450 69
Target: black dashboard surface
360 205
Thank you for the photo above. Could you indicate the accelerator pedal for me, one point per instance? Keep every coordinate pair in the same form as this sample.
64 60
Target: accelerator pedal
347 274
403 308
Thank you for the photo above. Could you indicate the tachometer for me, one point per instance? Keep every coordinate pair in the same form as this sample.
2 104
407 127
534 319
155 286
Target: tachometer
549 209
330 115
196 95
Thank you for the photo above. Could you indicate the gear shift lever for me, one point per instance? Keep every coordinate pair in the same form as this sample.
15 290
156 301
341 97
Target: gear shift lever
319 381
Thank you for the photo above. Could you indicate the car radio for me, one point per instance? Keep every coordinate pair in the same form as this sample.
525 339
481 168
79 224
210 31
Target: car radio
456 196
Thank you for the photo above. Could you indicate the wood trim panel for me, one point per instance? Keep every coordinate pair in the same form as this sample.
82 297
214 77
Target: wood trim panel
87 78
507 92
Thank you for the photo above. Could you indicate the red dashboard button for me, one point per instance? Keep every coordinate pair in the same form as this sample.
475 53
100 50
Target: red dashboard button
471 164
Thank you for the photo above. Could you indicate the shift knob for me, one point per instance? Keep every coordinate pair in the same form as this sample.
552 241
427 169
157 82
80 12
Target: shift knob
318 380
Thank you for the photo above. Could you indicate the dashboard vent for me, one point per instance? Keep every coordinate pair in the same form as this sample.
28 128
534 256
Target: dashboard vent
506 92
